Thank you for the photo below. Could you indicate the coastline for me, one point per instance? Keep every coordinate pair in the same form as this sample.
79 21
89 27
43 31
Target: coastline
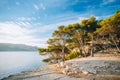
53 72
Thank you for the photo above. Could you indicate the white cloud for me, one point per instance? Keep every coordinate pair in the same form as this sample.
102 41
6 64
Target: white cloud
64 20
11 32
42 6
36 7
23 32
53 26
24 19
12 29
107 2
81 18
23 23
17 3
72 17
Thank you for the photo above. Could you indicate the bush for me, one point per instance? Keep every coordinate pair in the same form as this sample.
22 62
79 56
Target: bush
51 59
46 60
72 55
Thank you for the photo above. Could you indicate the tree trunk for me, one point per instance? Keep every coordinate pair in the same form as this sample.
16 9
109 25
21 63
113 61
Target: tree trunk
92 54
80 50
115 43
79 46
63 53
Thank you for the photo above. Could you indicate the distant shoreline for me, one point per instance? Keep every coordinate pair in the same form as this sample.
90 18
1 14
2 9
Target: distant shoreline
19 51
17 47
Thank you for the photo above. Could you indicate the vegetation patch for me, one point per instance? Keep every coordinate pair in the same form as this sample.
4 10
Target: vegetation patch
90 36
72 55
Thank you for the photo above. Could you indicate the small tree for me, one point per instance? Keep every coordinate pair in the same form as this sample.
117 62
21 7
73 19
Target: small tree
77 36
110 27
90 26
61 36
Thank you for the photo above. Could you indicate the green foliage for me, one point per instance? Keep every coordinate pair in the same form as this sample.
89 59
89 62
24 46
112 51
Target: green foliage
51 59
110 24
77 35
43 50
72 55
89 24
46 60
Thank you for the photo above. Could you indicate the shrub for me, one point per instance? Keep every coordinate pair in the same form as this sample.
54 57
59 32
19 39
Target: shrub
72 55
46 60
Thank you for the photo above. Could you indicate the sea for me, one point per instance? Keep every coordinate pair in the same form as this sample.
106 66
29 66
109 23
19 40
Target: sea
14 62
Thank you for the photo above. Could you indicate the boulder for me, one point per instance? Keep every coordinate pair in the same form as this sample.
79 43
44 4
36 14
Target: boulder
64 71
75 72
70 73
85 72
62 64
67 67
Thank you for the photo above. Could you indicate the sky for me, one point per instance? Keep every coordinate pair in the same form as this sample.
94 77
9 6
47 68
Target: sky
32 22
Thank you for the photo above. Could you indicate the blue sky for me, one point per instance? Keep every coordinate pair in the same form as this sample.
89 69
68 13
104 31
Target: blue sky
32 22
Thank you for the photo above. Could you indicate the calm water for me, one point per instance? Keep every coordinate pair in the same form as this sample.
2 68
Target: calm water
15 62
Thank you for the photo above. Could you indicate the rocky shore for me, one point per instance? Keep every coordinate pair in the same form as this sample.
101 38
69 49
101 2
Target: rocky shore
91 68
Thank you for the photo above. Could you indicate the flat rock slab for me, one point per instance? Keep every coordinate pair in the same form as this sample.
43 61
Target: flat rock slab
42 76
43 73
96 66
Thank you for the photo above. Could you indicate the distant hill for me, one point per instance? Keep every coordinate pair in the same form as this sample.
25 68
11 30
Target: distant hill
16 47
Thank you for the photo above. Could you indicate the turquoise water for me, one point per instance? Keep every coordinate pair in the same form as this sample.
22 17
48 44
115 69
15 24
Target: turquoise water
16 62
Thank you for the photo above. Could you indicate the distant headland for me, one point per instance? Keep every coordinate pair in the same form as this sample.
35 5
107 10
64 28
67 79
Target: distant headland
16 47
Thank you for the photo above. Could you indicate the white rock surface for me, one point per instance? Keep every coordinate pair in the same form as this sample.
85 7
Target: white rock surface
85 72
88 67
